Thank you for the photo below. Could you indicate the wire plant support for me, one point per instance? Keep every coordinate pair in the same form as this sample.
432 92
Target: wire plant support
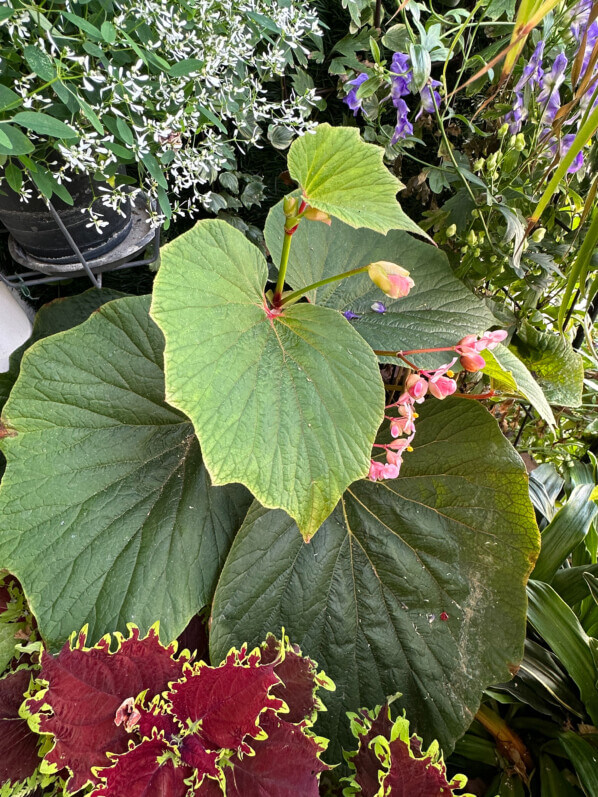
124 255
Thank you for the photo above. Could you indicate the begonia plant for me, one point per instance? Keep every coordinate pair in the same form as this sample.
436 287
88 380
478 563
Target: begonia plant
154 422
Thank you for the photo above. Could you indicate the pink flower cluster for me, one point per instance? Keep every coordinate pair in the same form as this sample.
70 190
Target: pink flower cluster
470 346
440 384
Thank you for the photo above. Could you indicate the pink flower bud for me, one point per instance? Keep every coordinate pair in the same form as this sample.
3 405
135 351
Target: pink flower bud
393 280
416 386
397 426
467 343
472 362
442 387
391 471
393 457
376 471
317 215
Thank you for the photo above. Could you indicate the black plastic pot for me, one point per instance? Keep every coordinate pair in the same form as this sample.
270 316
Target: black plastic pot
32 225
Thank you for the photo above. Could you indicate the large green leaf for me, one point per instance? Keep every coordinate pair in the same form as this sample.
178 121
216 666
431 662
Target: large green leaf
288 406
454 533
107 513
507 372
55 317
439 310
345 177
553 362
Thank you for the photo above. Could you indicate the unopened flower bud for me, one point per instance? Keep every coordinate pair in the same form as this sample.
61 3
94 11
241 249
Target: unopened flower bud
393 280
290 206
503 130
472 362
317 215
451 230
478 164
538 235
520 142
472 238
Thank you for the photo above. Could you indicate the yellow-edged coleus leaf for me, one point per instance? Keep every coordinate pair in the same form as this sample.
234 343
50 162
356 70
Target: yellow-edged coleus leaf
342 175
287 404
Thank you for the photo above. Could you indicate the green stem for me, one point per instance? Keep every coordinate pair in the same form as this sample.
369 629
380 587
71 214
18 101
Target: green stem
282 270
293 297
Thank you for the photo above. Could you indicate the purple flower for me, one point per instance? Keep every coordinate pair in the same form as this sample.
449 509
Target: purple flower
533 73
561 147
550 97
402 75
531 78
403 126
349 315
351 98
378 307
429 97
580 14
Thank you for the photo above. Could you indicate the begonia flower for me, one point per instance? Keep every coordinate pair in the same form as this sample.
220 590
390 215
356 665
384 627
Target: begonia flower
393 280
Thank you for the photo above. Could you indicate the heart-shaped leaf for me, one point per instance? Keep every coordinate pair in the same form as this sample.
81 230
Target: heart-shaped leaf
55 317
415 585
345 177
287 404
438 311
105 500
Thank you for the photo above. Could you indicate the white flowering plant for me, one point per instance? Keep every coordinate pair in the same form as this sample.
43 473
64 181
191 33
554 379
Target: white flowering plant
174 88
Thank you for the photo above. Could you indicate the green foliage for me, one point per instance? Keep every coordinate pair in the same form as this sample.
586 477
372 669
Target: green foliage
415 584
438 311
551 359
274 403
106 497
343 176
545 718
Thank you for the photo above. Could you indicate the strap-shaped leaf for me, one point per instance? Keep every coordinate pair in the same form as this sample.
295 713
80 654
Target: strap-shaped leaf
105 501
415 585
345 177
287 405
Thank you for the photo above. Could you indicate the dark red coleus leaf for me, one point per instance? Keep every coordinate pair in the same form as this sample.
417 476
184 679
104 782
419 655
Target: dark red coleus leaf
18 745
86 688
157 719
227 700
146 771
194 753
365 761
399 767
209 788
286 764
411 776
299 676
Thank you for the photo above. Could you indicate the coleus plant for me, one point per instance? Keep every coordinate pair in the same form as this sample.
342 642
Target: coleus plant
243 729
110 509
138 721
390 761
